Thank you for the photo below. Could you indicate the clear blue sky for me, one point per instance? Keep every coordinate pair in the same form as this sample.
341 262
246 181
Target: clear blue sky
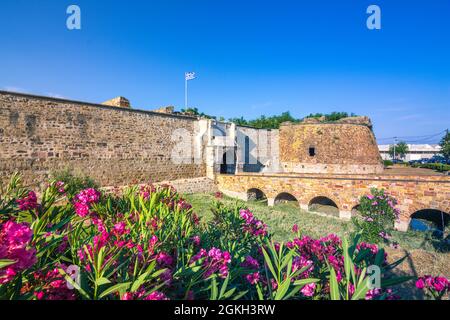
251 57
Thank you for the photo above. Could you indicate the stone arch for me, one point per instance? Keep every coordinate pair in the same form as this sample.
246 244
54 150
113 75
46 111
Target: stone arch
255 194
429 219
285 197
324 204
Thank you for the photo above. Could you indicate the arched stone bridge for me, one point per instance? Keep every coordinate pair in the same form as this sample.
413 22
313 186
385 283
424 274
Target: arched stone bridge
414 193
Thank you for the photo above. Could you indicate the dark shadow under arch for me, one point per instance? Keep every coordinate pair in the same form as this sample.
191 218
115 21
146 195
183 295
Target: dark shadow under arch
255 194
430 220
285 197
324 205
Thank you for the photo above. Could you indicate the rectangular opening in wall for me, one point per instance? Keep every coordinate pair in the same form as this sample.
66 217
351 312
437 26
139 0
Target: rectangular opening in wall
312 151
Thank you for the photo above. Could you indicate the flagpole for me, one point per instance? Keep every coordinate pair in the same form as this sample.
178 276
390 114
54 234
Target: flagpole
185 92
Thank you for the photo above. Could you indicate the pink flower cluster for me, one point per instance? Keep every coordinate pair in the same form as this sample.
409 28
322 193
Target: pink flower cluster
439 284
53 286
250 263
214 261
14 240
141 295
321 249
252 225
60 185
29 202
146 191
376 293
373 248
312 252
253 278
84 199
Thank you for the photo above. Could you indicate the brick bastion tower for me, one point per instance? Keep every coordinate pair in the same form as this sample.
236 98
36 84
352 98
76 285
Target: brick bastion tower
347 146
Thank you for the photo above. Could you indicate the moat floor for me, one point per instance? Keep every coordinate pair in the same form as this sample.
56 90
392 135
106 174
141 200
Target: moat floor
408 171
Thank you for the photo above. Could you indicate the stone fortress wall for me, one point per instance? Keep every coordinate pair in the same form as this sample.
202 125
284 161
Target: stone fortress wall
337 148
115 146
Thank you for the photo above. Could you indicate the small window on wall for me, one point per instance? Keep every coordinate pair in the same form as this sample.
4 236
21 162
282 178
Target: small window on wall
312 151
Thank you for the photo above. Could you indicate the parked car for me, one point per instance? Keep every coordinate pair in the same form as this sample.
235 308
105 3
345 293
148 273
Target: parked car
437 159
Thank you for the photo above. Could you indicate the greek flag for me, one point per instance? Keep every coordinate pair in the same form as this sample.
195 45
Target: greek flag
189 75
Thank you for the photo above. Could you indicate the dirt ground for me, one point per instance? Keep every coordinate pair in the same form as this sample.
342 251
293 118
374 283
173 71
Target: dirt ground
419 262
407 171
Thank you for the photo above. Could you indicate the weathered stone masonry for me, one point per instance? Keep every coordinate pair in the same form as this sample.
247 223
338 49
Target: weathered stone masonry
114 146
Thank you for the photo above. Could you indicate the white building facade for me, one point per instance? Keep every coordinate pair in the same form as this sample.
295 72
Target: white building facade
416 151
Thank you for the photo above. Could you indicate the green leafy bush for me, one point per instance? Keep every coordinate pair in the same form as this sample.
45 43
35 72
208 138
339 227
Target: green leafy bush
378 214
73 183
388 163
433 166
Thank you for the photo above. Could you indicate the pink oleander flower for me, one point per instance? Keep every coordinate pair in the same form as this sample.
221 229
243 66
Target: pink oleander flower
164 259
420 284
196 240
183 205
29 202
213 261
373 293
301 262
436 287
156 295
15 239
218 195
250 263
295 228
308 290
39 295
84 199
120 228
127 296
251 224
60 186
252 278
195 219
384 235
81 209
88 196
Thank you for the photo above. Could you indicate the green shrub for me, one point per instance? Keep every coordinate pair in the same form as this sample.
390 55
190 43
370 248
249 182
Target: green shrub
433 166
73 183
388 163
377 216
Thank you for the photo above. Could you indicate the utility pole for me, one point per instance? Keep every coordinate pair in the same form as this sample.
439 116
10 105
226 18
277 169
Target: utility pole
395 145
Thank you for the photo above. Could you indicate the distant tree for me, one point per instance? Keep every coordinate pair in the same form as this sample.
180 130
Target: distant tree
445 145
334 116
239 121
264 122
195 112
400 150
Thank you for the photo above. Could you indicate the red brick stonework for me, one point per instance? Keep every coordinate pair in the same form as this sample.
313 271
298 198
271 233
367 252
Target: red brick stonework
413 193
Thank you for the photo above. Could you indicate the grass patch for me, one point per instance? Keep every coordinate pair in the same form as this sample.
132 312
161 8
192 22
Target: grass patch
282 217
